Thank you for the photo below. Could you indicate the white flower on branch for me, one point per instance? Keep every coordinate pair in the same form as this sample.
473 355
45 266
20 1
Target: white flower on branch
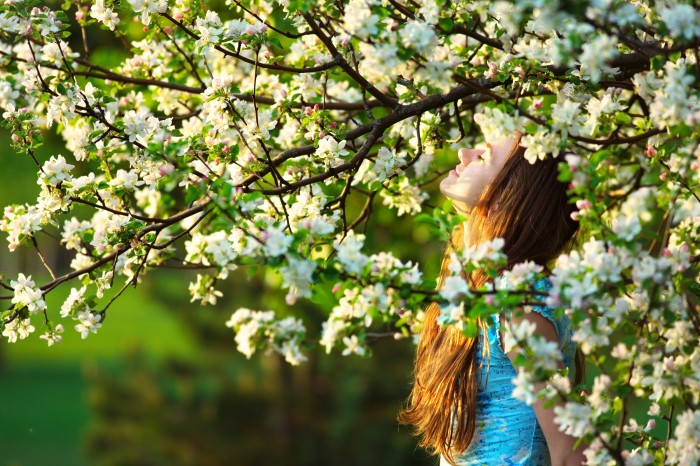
486 251
210 30
359 19
61 107
545 354
149 8
380 62
47 22
53 52
27 294
275 241
349 252
74 302
298 277
88 322
524 387
574 419
684 448
591 334
259 330
213 249
55 171
18 328
405 197
139 125
541 145
203 290
331 330
599 397
566 117
21 222
496 124
330 151
419 35
454 287
10 23
353 346
287 336
72 230
104 15
597 108
682 20
520 273
385 165
452 314
128 180
8 97
604 260
81 261
53 336
595 56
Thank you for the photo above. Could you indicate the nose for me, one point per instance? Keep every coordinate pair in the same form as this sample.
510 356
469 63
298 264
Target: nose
467 156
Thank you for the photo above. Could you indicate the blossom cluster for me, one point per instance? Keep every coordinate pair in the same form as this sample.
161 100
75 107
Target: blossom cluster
258 330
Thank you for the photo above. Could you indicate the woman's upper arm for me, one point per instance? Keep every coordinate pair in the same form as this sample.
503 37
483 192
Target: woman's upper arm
561 445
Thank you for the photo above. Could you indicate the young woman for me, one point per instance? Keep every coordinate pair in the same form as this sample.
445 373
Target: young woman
461 403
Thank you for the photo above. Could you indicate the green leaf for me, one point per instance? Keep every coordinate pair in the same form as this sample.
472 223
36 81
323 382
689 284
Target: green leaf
446 23
694 288
470 329
622 117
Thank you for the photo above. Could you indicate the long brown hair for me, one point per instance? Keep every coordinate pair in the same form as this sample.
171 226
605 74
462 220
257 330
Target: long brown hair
528 207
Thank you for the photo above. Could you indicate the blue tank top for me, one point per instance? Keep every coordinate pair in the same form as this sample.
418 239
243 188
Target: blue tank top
507 431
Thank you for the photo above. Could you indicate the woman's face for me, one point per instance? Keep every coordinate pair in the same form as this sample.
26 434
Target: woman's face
477 170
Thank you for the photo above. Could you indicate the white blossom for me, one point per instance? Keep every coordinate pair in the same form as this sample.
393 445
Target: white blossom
682 20
385 165
88 322
53 336
684 448
349 252
353 346
574 419
18 328
405 197
27 294
298 277
105 15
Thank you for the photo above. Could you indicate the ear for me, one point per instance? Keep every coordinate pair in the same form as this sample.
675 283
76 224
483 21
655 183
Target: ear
494 206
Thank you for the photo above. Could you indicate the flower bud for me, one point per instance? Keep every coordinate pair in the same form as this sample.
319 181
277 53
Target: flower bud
583 204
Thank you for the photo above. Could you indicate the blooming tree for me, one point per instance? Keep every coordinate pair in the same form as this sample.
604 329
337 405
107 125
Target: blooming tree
266 133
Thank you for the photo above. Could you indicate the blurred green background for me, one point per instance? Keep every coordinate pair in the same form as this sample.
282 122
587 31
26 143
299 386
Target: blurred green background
162 383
